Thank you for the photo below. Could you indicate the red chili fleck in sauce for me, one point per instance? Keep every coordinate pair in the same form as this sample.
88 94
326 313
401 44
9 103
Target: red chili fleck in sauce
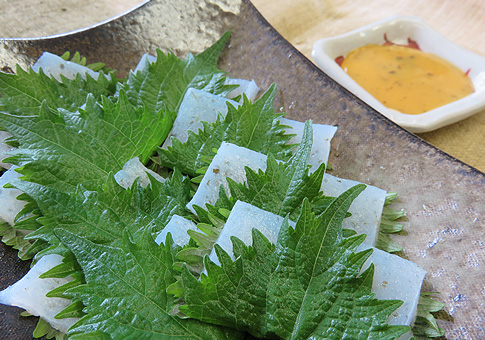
411 44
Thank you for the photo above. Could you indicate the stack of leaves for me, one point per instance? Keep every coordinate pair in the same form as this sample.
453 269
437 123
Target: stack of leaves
73 135
307 286
78 131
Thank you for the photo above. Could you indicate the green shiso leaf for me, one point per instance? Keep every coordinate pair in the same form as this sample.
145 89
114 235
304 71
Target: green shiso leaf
386 243
78 59
91 336
25 92
43 329
62 149
16 239
162 85
102 216
283 186
125 294
426 325
25 222
252 125
390 225
307 286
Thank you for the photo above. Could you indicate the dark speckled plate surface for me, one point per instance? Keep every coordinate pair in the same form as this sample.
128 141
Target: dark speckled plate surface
444 198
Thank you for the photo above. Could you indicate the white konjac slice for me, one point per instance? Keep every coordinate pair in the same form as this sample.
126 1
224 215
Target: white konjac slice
396 278
240 223
10 206
29 294
178 227
322 135
366 209
4 149
54 65
132 170
248 87
196 107
229 161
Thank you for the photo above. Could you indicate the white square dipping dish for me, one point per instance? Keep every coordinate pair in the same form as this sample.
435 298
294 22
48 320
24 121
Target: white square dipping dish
398 29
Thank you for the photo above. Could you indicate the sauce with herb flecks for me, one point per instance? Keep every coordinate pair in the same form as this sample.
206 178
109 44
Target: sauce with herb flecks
406 79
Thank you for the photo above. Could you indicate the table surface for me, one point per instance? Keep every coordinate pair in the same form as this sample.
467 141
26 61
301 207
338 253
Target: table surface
301 23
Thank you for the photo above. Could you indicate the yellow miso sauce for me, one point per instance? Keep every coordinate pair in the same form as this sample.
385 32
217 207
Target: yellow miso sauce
406 79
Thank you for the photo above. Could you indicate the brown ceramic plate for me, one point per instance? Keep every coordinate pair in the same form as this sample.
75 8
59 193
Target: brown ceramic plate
444 198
